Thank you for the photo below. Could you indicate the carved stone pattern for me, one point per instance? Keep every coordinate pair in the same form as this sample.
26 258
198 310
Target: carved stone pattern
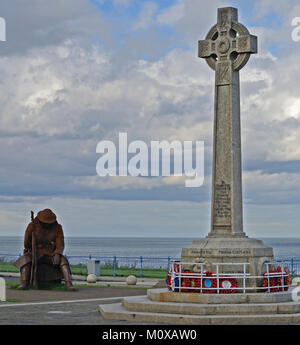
205 48
223 74
243 43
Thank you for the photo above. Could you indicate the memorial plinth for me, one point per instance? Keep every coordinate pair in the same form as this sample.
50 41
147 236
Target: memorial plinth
226 49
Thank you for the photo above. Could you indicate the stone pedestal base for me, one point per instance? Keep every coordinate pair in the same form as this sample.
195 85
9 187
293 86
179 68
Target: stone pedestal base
212 250
162 306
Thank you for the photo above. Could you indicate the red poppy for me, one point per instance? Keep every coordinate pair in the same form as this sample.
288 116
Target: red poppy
187 281
277 280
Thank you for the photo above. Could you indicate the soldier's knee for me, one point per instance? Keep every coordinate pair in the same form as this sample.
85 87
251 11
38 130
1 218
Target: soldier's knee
22 261
26 266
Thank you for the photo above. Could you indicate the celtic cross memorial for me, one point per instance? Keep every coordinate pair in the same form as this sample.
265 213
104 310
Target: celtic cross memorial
227 49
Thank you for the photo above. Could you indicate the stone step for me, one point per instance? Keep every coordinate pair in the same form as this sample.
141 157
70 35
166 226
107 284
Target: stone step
117 312
143 304
164 295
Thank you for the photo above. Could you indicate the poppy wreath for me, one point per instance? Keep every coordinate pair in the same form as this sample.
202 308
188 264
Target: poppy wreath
230 285
196 283
190 282
277 281
273 281
186 281
209 284
286 279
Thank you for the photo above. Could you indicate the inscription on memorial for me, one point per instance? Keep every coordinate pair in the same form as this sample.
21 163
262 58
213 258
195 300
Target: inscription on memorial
204 252
201 252
222 207
234 251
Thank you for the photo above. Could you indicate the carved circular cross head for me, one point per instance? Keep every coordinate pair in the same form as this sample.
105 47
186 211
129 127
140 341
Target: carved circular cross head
223 45
228 40
226 46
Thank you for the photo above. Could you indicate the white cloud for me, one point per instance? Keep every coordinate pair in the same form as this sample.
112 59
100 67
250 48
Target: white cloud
60 100
87 217
41 23
172 15
264 7
191 18
71 93
145 17
271 181
128 182
61 94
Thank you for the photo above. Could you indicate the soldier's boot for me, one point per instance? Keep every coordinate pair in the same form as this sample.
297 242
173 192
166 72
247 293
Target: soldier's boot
67 277
24 277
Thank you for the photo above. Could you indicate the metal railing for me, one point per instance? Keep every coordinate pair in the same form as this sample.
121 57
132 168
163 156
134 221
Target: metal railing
181 279
116 263
142 262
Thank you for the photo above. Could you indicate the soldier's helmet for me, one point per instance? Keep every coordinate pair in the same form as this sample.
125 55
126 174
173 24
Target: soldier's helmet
46 216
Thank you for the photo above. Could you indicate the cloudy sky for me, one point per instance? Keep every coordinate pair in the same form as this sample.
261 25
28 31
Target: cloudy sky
74 72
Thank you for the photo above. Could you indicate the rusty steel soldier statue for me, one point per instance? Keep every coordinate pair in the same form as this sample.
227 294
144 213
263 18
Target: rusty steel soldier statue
43 244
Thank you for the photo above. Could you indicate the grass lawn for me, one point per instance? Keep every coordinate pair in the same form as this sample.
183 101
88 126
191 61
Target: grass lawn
7 267
105 271
123 272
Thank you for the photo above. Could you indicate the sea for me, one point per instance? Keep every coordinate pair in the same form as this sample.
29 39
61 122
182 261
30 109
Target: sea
150 247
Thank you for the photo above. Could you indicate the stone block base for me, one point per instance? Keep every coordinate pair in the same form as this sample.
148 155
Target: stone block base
211 250
162 306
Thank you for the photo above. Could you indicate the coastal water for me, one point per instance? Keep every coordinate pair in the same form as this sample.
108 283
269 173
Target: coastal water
284 248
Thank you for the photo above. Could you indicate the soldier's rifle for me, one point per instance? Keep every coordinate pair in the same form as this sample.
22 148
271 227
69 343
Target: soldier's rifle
33 274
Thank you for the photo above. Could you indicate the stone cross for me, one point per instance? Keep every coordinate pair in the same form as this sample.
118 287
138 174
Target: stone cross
227 49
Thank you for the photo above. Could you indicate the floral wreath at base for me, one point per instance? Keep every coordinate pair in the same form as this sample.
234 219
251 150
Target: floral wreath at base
209 284
190 282
228 285
276 281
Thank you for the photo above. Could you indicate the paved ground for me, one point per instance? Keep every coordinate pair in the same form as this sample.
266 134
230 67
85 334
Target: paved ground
48 307
76 313
81 293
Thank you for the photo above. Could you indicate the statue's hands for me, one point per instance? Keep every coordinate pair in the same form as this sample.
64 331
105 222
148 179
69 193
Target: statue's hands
56 259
